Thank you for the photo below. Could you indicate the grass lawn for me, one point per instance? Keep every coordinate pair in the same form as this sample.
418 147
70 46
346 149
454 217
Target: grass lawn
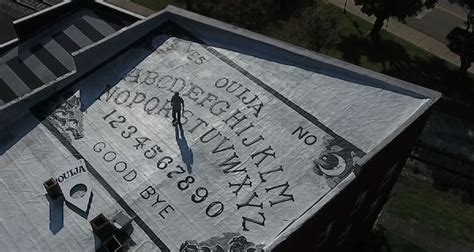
442 211
386 241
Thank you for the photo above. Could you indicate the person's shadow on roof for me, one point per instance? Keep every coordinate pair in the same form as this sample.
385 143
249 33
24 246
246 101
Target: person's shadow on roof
186 152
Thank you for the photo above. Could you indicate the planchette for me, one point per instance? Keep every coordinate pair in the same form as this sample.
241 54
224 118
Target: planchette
76 185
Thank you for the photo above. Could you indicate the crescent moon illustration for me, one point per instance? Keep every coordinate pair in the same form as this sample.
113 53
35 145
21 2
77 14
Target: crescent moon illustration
338 170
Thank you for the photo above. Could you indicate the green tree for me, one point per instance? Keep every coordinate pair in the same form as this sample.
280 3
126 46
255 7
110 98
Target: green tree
465 47
466 55
383 9
284 9
189 4
315 28
252 15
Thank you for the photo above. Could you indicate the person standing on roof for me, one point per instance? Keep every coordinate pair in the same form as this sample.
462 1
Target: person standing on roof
178 105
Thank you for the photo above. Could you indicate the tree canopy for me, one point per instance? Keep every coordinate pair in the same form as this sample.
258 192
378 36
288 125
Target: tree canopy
252 15
315 28
401 9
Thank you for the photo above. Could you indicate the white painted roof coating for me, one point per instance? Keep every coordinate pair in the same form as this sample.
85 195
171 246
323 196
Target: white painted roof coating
261 144
363 115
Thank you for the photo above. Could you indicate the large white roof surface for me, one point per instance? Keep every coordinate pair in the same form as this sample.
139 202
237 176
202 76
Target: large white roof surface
262 143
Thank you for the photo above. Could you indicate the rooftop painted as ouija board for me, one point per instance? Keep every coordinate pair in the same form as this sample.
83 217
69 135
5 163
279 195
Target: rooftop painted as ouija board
262 144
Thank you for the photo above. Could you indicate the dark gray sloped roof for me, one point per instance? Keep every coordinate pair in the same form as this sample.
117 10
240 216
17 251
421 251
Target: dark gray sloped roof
47 56
17 9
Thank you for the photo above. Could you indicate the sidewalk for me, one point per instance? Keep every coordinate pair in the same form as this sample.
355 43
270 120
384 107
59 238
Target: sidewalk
407 33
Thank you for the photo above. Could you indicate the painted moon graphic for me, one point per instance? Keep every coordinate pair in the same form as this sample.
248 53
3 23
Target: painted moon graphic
338 170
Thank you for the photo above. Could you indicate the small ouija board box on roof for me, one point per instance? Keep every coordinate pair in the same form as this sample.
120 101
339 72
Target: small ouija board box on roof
75 182
270 137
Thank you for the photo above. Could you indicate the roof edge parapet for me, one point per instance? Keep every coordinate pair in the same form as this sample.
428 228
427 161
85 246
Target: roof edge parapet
343 67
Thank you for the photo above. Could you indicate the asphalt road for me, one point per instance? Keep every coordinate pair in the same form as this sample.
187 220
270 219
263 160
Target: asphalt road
438 22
